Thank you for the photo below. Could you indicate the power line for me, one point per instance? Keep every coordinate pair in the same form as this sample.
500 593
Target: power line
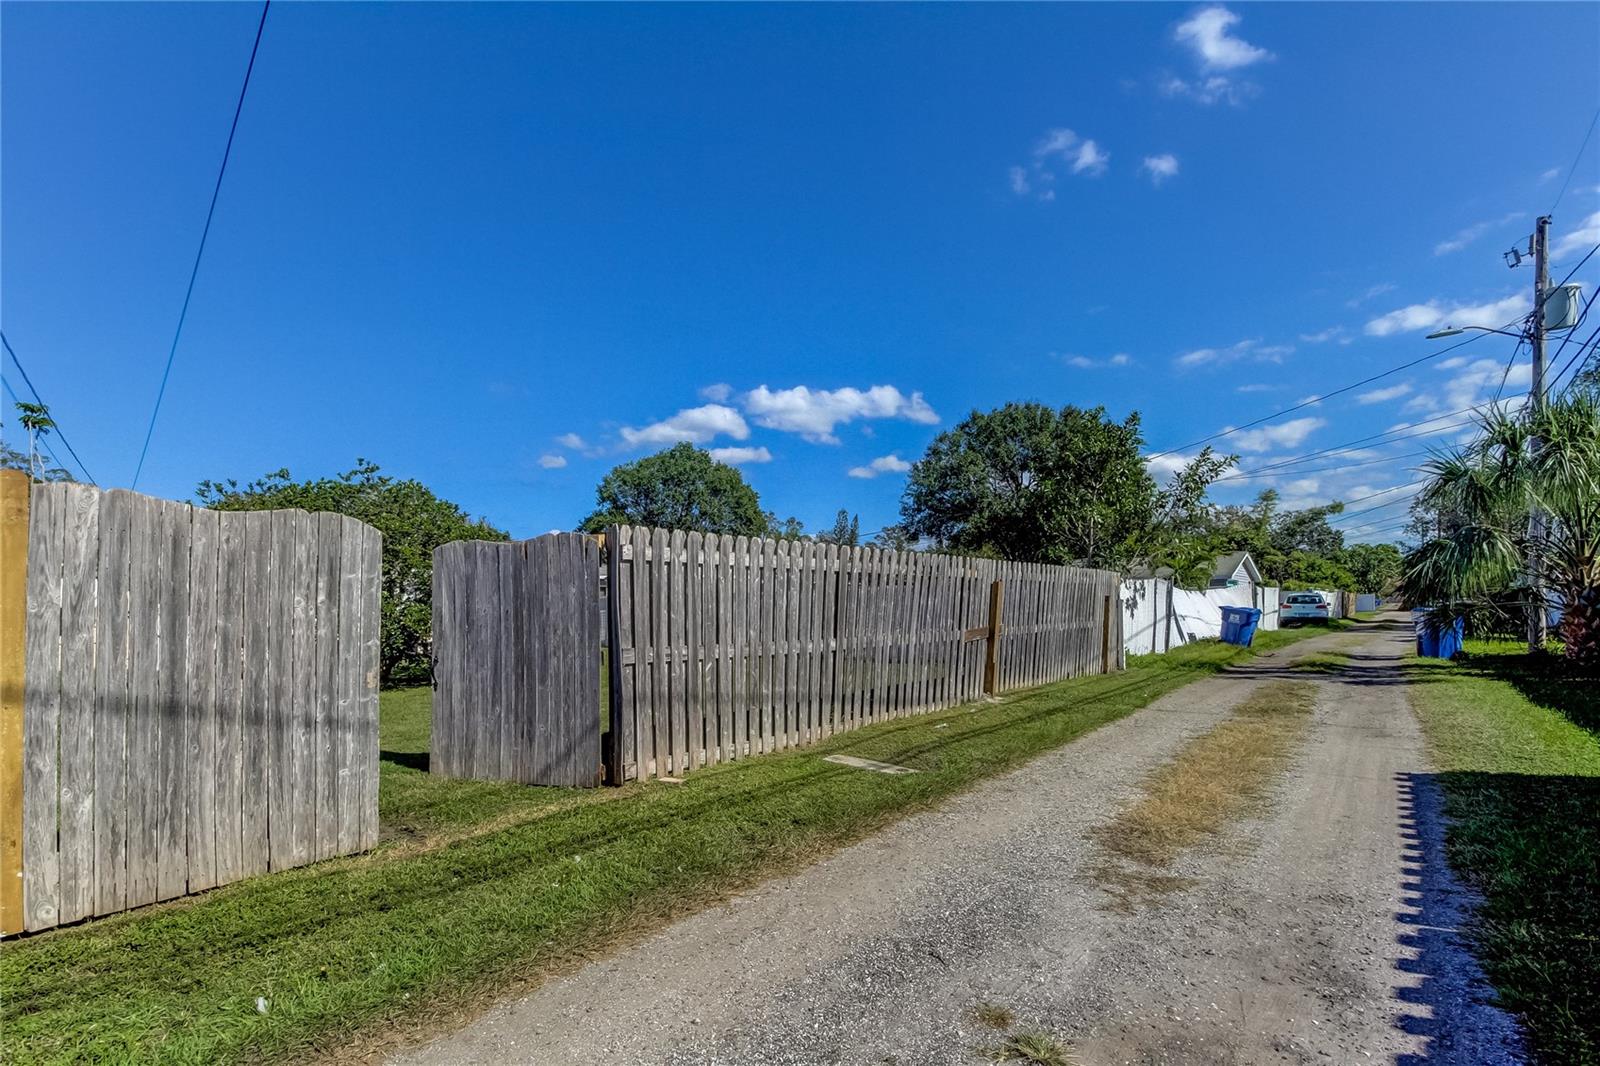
199 252
60 435
1247 475
1575 160
1314 400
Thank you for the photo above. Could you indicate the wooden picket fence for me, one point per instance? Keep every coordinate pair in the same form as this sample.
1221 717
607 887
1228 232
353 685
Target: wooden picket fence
516 670
199 698
723 647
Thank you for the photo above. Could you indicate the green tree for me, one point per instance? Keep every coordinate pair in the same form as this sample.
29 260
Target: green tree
413 522
35 419
679 488
1034 483
895 538
845 531
1545 461
1375 567
11 459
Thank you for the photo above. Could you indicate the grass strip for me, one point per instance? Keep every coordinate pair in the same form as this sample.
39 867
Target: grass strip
442 917
1216 778
1515 740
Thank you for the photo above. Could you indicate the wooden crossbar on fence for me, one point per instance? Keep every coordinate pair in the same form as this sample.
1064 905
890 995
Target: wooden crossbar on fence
724 647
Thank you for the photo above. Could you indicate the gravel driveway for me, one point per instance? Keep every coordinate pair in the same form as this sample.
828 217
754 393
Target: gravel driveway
1321 932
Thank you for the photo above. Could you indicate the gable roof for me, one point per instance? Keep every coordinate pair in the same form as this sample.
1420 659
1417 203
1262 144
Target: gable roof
1228 565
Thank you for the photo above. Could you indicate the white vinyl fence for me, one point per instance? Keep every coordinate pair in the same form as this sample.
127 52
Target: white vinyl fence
1158 616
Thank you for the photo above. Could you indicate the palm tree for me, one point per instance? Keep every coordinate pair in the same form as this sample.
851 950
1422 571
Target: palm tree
35 418
1546 463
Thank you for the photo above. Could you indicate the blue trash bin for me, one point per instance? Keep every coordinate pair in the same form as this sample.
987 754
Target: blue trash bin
1239 625
1435 641
1427 636
1450 638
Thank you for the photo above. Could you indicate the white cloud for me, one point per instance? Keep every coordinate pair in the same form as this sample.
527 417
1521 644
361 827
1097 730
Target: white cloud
814 413
552 462
1216 89
1550 175
1058 147
697 425
1375 290
717 392
1084 362
1207 33
1586 236
1264 353
1393 392
1257 386
1283 435
1434 313
738 455
1090 159
1161 167
883 464
1471 233
1164 466
1332 333
571 440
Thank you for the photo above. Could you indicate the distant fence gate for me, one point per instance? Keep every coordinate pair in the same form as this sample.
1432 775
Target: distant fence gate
723 647
516 645
199 698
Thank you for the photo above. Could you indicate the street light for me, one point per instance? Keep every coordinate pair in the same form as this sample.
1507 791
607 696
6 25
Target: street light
1456 331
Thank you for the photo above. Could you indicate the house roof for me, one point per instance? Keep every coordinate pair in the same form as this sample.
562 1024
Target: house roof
1228 565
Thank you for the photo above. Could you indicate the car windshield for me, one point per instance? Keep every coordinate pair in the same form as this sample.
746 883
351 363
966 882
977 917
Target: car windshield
1305 599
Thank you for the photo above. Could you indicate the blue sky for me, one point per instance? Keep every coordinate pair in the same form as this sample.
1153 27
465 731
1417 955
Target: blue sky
502 248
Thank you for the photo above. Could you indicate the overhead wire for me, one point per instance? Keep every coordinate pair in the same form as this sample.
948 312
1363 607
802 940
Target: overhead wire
194 271
60 433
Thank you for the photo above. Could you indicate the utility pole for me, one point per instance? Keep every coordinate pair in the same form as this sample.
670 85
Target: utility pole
1541 287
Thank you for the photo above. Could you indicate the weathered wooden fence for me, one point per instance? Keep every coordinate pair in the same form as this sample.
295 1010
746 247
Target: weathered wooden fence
723 647
516 644
201 698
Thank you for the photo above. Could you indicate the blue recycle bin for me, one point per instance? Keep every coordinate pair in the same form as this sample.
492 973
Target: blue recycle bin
1434 641
1239 625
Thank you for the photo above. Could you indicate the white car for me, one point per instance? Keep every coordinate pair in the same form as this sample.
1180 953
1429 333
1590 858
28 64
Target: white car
1298 607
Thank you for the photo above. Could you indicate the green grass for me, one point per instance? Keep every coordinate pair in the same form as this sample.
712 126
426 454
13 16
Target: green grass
1516 740
478 888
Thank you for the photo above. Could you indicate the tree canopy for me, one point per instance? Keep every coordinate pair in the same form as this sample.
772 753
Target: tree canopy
679 488
413 521
1031 482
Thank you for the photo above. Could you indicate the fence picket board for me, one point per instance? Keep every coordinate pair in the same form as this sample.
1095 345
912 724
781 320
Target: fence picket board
81 546
330 561
347 693
41 713
143 721
199 703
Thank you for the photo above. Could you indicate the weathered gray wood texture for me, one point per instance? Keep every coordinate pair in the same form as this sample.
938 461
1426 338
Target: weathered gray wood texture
723 647
516 660
200 697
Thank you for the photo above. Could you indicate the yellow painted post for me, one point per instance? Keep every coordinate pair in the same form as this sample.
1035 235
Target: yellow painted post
14 489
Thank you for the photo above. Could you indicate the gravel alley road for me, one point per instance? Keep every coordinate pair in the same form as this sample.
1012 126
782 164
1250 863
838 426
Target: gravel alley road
1321 931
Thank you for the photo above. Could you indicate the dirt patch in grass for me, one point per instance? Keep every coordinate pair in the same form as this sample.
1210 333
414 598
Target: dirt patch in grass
1215 779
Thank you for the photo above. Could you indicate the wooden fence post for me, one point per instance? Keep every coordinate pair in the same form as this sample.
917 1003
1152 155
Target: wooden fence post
1105 637
991 661
15 486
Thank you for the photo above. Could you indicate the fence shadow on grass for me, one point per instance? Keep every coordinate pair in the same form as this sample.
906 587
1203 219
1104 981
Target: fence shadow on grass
1527 843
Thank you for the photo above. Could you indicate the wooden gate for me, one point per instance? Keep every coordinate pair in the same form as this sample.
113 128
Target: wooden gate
516 660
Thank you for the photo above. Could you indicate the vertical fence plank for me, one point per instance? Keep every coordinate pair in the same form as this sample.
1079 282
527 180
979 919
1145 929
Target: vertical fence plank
199 686
112 674
81 547
41 710
144 723
229 696
171 815
367 752
330 560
